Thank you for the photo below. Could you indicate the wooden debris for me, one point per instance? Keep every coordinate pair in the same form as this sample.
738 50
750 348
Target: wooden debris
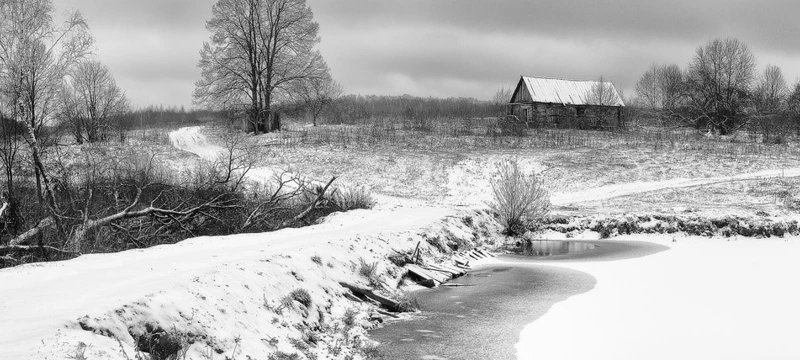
352 297
387 313
486 253
456 284
464 264
439 269
426 274
415 255
371 295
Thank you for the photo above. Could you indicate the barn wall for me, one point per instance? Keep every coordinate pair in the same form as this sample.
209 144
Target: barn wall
566 116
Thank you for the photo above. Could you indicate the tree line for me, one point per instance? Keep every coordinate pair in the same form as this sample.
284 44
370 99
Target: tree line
721 90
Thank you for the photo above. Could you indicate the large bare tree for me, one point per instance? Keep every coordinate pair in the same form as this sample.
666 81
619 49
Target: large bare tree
92 101
719 82
258 48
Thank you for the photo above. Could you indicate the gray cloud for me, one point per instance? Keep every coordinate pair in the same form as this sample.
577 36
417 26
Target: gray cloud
449 47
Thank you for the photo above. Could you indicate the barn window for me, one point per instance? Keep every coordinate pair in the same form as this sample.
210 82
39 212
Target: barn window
580 111
525 112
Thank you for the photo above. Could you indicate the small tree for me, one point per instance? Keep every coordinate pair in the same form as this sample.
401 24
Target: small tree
718 86
92 102
793 106
602 94
317 94
659 90
501 99
520 199
770 91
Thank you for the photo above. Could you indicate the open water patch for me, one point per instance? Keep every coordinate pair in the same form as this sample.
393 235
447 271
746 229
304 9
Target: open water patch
483 319
552 247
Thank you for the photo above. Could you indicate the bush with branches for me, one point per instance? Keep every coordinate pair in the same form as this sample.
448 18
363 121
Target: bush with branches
520 198
130 200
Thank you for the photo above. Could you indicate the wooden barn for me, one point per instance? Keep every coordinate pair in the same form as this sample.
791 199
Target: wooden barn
582 104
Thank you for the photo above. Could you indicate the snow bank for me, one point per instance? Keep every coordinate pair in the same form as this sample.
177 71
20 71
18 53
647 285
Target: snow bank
702 299
222 292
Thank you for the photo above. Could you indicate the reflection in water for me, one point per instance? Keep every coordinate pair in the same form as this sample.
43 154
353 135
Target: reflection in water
553 247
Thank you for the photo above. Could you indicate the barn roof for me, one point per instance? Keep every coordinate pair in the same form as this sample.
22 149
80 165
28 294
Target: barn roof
566 92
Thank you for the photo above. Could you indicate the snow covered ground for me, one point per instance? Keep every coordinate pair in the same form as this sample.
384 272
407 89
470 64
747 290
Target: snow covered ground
215 285
702 299
192 140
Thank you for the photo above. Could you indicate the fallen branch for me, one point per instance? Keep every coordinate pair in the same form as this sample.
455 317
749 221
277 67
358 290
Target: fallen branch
369 294
28 235
310 207
12 255
379 311
6 259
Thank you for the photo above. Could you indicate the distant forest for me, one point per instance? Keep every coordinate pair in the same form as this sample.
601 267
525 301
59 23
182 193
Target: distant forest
347 109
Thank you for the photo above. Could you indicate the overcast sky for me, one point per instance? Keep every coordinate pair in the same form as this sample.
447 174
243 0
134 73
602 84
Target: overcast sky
450 47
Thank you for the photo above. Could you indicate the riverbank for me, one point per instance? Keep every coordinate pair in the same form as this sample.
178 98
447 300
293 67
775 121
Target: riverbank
483 319
249 295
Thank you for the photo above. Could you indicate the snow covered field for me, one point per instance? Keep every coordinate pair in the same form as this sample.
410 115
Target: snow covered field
703 298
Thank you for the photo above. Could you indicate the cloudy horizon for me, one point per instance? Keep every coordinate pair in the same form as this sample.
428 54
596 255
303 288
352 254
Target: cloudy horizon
444 48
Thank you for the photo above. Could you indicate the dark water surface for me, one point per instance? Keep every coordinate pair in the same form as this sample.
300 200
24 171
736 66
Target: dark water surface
483 321
554 247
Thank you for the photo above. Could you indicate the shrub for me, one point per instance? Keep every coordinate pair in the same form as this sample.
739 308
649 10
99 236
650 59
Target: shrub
302 296
519 197
368 270
349 317
347 198
161 344
372 351
408 302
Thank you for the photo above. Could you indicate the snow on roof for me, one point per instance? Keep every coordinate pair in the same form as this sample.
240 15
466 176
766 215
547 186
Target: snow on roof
567 92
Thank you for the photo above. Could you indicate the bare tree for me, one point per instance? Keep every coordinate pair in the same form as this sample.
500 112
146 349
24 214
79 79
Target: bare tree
11 133
317 94
648 88
771 91
659 88
718 85
501 99
602 93
793 100
92 101
659 91
35 57
258 48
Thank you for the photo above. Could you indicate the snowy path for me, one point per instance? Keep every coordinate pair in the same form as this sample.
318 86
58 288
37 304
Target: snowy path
618 190
468 183
702 299
190 139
